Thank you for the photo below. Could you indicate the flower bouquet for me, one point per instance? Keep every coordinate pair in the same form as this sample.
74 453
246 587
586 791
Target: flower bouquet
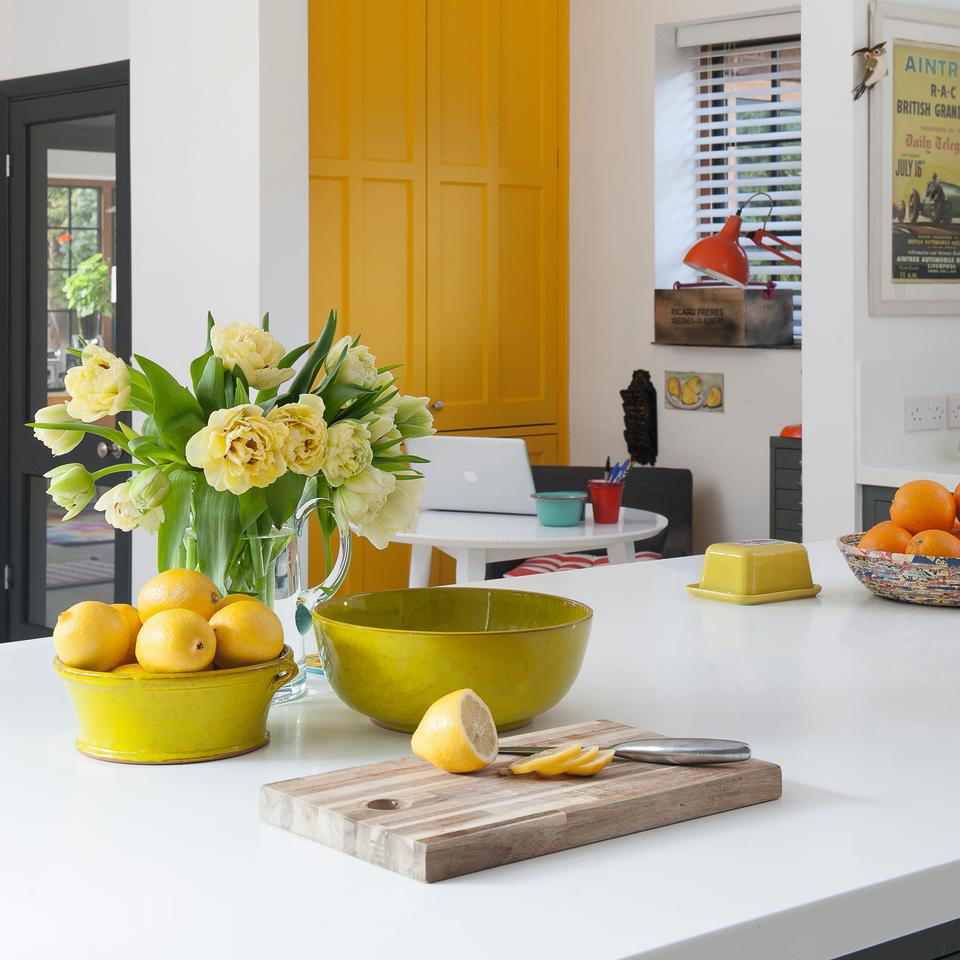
224 472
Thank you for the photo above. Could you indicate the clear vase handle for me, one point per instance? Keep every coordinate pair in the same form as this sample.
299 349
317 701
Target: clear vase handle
312 597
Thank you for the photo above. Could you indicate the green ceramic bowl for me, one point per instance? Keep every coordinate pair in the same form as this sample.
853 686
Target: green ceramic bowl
561 508
391 654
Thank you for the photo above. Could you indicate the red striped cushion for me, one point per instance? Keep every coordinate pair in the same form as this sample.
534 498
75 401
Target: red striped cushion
553 562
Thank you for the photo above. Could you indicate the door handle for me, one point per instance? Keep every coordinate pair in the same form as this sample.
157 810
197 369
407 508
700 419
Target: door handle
438 405
113 449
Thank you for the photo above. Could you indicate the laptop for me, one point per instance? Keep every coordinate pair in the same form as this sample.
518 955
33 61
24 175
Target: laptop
475 474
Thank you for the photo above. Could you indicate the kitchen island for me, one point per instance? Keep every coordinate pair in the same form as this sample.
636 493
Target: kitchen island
857 698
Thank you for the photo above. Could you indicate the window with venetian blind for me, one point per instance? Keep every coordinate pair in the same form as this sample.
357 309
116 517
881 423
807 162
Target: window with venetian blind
748 128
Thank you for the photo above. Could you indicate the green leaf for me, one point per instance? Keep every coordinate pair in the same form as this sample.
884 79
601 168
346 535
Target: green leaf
401 458
240 393
252 505
265 322
138 381
216 522
176 412
387 369
176 516
287 361
325 340
283 497
303 381
210 324
137 444
197 366
128 431
337 394
210 387
331 372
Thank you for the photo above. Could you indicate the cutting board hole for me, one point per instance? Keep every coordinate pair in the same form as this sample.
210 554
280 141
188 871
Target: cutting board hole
385 803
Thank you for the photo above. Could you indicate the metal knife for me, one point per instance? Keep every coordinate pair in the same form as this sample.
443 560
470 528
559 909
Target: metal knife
679 751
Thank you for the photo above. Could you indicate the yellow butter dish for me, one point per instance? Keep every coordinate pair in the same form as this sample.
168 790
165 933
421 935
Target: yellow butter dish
755 571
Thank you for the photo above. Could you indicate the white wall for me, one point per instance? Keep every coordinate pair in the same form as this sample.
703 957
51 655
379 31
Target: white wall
218 156
838 328
218 145
45 37
623 184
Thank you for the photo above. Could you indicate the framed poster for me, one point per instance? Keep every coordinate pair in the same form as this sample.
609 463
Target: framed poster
915 162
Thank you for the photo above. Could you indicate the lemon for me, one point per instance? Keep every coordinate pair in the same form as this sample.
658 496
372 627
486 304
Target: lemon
457 733
233 598
132 619
587 768
247 632
548 762
176 641
178 589
91 636
134 669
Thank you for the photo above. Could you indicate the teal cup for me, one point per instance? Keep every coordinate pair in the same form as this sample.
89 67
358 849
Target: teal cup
560 508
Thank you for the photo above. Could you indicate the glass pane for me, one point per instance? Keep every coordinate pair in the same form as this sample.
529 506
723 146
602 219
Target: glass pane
58 248
80 559
84 243
85 207
56 298
58 207
58 360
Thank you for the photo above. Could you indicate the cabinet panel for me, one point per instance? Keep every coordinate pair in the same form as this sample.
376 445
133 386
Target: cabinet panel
459 48
504 373
328 80
389 68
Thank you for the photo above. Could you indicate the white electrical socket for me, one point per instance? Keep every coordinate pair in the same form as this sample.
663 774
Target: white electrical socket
953 411
927 411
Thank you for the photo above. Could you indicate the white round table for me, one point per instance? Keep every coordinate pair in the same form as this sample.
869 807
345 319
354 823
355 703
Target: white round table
476 539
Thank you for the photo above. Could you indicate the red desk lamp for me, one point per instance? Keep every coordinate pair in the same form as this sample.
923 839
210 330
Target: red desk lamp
721 255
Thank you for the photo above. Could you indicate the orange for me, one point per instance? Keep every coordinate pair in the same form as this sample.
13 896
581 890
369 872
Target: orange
886 537
176 641
178 590
132 619
934 543
956 496
922 505
91 636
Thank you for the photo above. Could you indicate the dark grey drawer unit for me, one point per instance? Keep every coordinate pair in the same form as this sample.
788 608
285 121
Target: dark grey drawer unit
786 515
875 505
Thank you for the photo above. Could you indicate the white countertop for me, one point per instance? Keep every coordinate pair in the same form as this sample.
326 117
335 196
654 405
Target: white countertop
858 699
945 470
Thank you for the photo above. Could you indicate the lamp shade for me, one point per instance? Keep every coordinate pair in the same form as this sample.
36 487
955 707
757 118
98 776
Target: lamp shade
721 255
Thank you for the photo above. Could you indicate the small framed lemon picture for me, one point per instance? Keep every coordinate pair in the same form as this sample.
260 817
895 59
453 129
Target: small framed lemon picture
689 390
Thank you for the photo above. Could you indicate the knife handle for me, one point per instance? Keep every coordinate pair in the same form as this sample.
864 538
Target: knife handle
683 752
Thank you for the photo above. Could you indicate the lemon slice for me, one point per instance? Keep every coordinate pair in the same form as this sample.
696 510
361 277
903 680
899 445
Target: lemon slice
588 767
547 762
586 755
457 733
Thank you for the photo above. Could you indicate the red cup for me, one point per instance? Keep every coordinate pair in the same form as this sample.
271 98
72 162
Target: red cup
605 497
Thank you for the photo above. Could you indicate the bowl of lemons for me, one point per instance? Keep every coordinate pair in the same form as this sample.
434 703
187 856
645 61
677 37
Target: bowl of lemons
186 675
390 655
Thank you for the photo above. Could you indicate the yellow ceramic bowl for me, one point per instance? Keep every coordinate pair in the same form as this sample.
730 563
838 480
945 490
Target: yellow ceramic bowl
177 717
391 654
755 571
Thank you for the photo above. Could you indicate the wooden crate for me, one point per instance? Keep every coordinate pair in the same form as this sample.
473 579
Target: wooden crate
723 317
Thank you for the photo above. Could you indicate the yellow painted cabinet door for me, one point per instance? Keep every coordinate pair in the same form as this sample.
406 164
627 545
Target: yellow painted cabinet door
492 209
368 175
368 201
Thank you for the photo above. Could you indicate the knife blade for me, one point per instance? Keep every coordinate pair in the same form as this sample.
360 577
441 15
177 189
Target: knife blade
671 750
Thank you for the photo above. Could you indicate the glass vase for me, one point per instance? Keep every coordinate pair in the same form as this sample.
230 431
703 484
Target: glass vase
272 567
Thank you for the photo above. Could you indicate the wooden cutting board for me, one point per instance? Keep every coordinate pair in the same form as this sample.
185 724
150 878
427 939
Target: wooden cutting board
410 817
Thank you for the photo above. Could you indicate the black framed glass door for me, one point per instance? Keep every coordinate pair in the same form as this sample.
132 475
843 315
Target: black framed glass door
67 282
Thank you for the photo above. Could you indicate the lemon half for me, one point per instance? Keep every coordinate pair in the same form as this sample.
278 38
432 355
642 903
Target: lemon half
457 733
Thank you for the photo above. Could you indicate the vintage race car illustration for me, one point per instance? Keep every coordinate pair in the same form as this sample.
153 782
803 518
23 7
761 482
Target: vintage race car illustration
940 203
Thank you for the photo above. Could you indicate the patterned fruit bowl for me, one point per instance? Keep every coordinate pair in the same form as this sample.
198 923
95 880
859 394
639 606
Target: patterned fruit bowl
934 581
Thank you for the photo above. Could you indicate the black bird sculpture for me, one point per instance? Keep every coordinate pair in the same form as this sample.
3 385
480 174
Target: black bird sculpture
640 418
